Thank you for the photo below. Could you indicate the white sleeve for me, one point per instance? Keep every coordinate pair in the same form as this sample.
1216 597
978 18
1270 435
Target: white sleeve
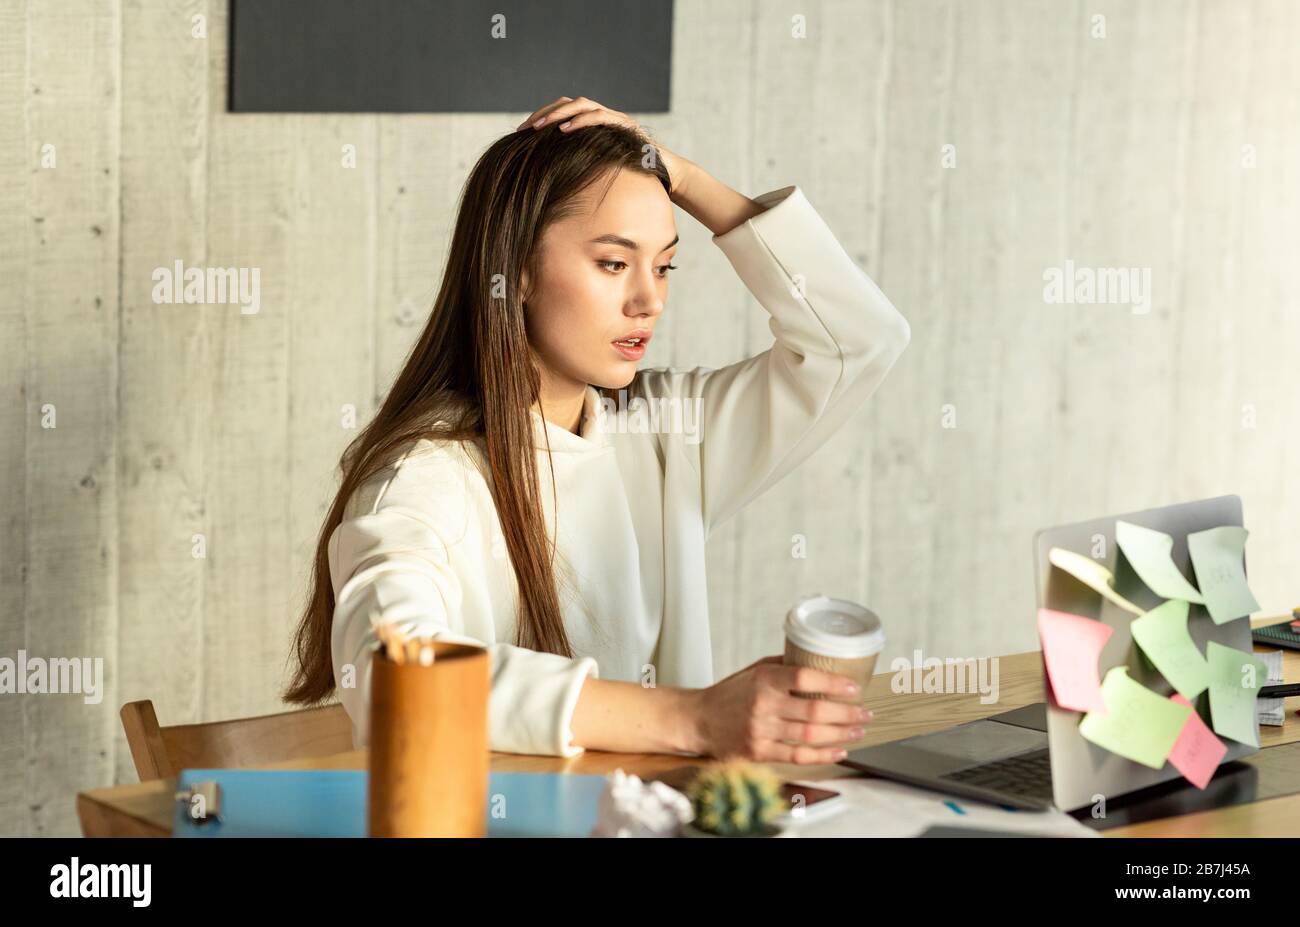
837 336
393 563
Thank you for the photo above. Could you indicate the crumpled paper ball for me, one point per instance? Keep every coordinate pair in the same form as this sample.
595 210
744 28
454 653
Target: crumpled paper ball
632 808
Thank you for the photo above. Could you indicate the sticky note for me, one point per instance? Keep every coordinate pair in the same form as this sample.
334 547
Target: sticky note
1197 752
1150 554
1217 558
1071 648
1235 678
1092 574
1138 724
1163 636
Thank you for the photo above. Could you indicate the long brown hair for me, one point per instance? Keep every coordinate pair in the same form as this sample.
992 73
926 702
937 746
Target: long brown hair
466 377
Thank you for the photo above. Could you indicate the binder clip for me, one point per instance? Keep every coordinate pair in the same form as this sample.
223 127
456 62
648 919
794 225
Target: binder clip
204 801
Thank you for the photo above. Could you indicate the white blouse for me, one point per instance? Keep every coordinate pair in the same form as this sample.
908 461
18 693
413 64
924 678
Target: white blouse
421 545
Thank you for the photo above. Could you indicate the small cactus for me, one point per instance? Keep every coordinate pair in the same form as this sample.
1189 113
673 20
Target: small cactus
735 799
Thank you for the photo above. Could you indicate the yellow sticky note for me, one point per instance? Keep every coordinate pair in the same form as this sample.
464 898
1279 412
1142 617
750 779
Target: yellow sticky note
1138 724
1092 574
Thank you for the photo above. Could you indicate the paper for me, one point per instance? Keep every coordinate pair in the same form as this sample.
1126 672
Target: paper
1197 752
632 808
1138 725
1149 553
1272 660
1092 574
1163 636
1235 677
873 807
1217 556
1071 648
1271 711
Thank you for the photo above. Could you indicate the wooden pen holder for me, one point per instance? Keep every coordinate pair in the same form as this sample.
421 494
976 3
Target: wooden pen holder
429 744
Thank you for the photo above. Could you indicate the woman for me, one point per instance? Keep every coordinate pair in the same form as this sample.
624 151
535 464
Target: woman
499 498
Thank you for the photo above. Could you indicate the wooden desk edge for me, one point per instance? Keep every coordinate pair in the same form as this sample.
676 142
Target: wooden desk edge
101 818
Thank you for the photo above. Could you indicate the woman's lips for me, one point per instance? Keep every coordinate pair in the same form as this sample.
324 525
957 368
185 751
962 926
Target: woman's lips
630 352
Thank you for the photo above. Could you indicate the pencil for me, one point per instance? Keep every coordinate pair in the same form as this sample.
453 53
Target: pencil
391 639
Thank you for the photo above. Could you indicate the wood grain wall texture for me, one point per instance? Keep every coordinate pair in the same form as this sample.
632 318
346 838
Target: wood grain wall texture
180 425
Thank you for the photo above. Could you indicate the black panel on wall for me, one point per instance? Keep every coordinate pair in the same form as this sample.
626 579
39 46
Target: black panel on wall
408 56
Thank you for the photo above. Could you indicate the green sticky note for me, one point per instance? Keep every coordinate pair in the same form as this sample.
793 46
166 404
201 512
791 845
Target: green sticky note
1217 557
1138 724
1149 553
1163 636
1235 679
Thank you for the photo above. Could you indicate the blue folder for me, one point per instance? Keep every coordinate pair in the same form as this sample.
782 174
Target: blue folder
332 803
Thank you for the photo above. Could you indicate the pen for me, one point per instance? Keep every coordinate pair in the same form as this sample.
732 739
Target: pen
1279 691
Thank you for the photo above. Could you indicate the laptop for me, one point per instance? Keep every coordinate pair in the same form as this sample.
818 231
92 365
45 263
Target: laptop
1034 757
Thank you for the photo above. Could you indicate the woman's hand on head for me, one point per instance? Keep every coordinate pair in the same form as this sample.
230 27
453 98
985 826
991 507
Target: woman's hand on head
752 714
573 114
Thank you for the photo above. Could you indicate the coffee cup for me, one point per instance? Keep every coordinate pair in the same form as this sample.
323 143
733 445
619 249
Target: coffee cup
835 636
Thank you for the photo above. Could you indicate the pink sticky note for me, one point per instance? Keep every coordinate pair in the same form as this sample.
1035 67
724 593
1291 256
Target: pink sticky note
1197 752
1071 648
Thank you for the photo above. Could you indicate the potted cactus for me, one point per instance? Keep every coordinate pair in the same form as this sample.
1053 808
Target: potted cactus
734 799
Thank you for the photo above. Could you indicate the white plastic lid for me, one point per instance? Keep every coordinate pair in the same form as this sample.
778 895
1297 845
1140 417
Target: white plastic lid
834 628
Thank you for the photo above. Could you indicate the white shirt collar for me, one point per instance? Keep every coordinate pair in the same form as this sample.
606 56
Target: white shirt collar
590 436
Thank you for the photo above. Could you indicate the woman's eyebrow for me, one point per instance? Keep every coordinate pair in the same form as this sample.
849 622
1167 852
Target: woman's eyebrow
627 242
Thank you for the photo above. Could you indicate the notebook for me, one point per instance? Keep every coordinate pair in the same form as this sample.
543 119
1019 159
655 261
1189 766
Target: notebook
332 803
1277 635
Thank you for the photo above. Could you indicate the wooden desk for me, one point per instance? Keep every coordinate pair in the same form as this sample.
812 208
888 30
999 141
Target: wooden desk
145 809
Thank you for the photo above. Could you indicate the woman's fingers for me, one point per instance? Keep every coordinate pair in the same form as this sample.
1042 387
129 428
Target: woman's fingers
574 114
823 735
815 721
820 711
807 679
562 109
539 112
776 752
595 117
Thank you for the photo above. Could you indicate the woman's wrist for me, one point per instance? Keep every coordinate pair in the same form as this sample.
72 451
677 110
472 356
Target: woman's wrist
626 717
675 719
709 201
687 718
680 171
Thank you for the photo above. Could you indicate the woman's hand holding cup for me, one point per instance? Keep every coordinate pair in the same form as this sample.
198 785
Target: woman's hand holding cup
752 714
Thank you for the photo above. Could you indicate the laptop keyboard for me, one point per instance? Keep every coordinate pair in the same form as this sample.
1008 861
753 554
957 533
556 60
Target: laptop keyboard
1028 774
